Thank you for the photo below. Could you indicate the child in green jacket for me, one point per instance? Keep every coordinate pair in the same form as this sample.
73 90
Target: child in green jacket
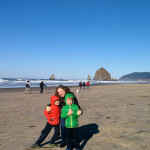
70 112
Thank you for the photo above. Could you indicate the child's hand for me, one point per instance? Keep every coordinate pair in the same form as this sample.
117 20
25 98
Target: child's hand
79 112
52 119
48 109
70 112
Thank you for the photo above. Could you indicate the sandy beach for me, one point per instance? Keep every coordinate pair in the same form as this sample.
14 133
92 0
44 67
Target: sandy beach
116 117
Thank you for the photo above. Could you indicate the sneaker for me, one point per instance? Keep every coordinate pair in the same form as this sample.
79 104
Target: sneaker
62 145
53 145
36 146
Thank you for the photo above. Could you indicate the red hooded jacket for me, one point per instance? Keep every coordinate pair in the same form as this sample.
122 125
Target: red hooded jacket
54 113
88 83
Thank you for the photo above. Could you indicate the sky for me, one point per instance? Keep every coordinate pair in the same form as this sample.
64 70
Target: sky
73 38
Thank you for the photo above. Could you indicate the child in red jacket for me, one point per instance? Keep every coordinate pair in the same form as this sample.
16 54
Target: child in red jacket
53 120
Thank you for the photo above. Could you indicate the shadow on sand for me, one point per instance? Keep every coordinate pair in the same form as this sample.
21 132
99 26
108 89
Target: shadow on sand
86 132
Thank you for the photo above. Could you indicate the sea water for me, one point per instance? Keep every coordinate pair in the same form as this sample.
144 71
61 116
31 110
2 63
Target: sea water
21 82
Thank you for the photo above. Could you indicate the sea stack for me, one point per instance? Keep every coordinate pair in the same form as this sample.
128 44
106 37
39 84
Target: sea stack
52 77
102 74
88 78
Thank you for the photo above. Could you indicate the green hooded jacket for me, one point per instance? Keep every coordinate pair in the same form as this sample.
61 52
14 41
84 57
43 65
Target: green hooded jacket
71 121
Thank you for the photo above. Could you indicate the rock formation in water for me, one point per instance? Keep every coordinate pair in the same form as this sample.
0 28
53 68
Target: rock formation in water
52 77
102 74
89 77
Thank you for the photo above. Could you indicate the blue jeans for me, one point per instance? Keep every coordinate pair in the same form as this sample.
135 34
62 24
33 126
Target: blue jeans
63 130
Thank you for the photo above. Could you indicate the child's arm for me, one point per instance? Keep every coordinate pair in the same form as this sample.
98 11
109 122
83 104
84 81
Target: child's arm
64 113
70 112
47 114
77 112
48 108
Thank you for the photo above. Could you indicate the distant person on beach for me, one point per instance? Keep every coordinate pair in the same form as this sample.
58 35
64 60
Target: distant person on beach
83 85
60 92
70 112
27 90
88 84
80 84
53 120
42 86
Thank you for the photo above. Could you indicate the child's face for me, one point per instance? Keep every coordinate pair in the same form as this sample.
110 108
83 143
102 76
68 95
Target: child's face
57 102
69 101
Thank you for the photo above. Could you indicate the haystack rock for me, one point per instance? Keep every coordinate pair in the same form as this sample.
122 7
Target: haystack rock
88 78
102 74
52 77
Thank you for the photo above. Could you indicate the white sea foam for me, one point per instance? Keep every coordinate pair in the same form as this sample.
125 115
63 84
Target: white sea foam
18 83
2 80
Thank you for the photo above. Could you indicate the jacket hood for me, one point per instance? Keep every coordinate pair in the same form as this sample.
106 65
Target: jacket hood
69 95
53 99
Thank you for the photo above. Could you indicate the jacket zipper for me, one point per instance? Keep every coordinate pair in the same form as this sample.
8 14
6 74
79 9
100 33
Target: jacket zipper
71 118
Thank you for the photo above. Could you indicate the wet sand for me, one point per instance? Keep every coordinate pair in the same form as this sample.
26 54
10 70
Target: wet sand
116 117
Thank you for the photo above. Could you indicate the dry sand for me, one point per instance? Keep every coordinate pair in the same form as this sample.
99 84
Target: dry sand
116 117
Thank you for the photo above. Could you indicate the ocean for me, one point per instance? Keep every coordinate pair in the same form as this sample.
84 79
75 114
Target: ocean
20 83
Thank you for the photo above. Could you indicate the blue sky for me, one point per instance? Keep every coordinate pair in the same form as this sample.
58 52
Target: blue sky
73 38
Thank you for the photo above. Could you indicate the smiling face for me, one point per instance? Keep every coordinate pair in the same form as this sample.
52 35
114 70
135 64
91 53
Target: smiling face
57 102
69 101
61 92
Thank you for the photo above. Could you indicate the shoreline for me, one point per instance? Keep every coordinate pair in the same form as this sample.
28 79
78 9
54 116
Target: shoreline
54 87
12 85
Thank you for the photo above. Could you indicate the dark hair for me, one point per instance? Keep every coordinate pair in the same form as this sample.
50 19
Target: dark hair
65 88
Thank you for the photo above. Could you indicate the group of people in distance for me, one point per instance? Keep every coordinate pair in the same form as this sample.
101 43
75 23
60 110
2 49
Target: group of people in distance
63 111
84 84
27 90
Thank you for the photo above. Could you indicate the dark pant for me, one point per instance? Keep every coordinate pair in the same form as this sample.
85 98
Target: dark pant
41 90
63 130
72 138
46 131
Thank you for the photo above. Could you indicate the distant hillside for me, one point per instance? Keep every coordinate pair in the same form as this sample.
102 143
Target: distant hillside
136 76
